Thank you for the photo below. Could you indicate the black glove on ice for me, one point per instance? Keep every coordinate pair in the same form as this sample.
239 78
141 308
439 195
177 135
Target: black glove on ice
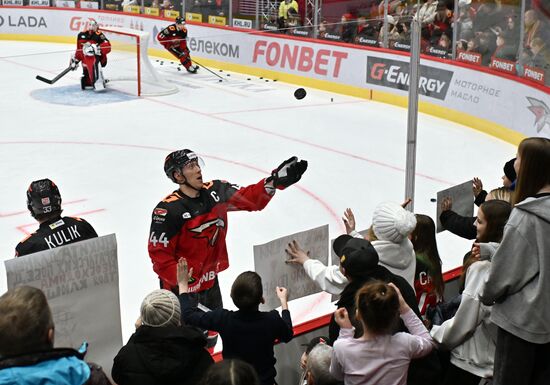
288 173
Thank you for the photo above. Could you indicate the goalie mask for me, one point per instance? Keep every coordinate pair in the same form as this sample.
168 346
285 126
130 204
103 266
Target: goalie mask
43 198
179 159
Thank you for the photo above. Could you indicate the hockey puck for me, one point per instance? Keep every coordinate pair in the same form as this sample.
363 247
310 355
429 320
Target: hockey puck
433 200
266 80
228 74
300 93
261 77
248 79
331 100
274 80
179 69
221 70
220 80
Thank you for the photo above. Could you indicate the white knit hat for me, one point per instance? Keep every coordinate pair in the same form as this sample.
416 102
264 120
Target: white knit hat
391 222
160 308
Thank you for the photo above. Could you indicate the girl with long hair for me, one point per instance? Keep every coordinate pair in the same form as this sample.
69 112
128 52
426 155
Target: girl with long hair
469 335
428 280
518 281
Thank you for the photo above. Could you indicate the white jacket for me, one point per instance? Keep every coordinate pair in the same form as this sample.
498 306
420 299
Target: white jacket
399 258
470 333
392 256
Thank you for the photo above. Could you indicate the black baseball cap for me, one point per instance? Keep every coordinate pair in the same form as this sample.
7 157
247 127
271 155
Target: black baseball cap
357 255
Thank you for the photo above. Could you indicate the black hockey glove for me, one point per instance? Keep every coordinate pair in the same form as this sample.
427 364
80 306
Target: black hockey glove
288 173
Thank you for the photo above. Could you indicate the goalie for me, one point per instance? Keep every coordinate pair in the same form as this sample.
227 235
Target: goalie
92 48
174 39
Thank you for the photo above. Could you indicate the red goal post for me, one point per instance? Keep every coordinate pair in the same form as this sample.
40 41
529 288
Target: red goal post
129 68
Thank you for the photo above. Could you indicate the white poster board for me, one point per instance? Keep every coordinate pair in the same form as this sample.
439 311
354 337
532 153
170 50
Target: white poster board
269 263
80 281
463 201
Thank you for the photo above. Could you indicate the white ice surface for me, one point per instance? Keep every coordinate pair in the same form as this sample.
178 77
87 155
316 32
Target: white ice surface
106 153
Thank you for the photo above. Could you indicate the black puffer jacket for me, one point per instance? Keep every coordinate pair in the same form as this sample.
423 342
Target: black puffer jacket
162 356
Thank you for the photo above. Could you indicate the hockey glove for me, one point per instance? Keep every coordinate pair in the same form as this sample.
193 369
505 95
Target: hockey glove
74 63
97 49
288 173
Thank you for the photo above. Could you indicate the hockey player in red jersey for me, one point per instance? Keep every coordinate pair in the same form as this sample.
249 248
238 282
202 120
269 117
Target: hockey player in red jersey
192 221
92 48
174 39
44 203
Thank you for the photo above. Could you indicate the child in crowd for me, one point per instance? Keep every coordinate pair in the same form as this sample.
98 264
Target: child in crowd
230 372
378 357
162 350
470 335
428 281
247 334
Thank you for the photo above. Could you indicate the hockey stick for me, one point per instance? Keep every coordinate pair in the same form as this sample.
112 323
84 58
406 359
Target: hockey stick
52 81
208 69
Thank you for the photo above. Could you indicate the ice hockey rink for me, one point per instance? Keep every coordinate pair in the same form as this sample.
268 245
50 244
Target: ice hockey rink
106 151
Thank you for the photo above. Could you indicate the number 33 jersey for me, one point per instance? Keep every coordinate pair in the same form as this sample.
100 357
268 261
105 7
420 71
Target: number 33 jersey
195 229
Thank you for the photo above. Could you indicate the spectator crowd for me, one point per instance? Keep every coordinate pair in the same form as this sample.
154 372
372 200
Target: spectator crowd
393 324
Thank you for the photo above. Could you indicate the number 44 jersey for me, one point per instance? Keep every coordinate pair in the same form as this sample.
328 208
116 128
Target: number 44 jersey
195 229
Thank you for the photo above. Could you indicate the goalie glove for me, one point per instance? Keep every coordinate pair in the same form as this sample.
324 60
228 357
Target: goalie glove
97 49
74 63
288 173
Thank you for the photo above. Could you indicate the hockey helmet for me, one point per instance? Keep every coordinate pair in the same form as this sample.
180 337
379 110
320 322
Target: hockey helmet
43 197
178 159
180 20
93 25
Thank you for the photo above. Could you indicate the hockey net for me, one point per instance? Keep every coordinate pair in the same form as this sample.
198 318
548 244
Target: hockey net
129 68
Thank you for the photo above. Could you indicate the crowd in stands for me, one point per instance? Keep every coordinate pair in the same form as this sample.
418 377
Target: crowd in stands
392 324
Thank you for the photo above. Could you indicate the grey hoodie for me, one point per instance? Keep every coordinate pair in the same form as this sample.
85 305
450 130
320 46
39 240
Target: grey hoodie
519 279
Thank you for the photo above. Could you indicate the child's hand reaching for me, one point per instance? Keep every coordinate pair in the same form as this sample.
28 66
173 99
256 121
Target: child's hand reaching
183 275
403 307
282 293
342 318
349 220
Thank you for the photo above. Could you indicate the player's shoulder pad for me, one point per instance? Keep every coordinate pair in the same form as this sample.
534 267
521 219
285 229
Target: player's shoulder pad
76 219
25 239
172 27
173 197
209 185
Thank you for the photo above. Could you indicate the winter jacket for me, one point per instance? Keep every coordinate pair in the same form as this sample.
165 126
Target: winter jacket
246 335
518 282
165 355
470 335
457 224
61 366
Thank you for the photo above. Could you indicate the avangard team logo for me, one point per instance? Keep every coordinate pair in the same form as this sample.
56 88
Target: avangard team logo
541 112
209 230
